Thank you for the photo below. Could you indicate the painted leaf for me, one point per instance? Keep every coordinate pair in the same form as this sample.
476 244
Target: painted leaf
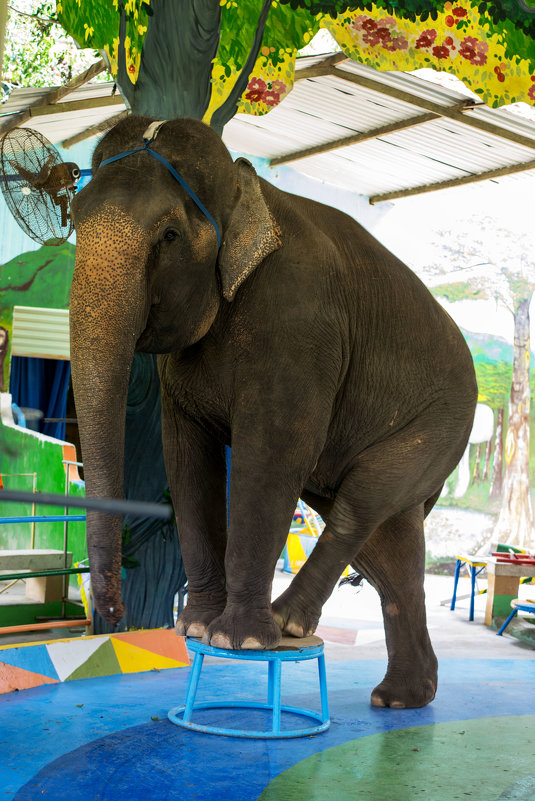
95 23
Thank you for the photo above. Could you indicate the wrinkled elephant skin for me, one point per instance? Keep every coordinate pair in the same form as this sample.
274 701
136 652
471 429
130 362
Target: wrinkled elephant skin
301 342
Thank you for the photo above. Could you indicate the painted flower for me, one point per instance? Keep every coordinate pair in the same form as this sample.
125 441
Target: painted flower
257 85
358 22
255 97
474 50
371 38
450 21
459 12
369 24
441 51
383 33
400 43
531 91
279 87
271 98
426 38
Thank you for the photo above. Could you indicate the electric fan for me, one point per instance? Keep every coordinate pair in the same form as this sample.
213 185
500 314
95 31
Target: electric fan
38 186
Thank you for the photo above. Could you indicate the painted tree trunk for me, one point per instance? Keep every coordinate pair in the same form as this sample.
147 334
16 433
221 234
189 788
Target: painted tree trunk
496 484
486 468
515 521
476 475
176 60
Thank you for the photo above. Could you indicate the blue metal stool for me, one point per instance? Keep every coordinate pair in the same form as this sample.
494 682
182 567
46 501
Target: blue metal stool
475 565
290 649
518 606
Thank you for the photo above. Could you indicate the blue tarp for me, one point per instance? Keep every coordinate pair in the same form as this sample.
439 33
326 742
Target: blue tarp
41 385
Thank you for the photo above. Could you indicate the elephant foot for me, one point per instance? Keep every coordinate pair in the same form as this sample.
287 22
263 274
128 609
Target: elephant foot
196 616
243 630
292 618
405 691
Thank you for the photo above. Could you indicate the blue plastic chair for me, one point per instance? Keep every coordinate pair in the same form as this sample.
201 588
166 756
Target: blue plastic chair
290 650
518 606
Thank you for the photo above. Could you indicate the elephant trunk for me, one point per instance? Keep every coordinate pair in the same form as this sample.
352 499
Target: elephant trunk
108 312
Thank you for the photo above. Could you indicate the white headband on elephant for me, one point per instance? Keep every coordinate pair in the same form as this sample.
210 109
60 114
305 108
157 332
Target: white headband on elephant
152 131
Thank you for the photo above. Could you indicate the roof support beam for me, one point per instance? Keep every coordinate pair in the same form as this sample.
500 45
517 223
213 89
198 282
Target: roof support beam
355 139
441 111
52 97
511 169
321 68
76 105
94 130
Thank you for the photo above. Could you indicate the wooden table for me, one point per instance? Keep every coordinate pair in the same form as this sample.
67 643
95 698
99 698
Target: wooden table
504 580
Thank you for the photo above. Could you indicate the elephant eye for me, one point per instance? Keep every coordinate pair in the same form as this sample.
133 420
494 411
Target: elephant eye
170 234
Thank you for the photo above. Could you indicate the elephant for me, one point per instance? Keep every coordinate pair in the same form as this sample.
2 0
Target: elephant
286 331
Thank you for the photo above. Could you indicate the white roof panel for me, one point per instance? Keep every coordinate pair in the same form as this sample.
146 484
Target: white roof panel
326 107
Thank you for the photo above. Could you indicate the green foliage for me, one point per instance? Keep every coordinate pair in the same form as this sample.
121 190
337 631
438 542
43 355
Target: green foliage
493 383
285 30
37 51
509 18
91 22
458 291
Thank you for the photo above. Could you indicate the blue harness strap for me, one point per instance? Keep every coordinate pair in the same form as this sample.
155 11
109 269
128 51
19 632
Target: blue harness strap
175 175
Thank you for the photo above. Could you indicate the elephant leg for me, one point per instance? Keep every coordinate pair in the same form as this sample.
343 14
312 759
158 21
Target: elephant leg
393 561
259 525
196 471
402 473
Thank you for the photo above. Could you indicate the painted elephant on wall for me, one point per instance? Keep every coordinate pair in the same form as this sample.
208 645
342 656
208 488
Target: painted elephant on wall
358 398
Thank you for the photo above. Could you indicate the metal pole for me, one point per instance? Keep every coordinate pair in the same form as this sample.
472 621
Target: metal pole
34 489
65 545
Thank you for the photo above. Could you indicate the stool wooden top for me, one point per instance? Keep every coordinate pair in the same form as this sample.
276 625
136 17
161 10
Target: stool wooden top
308 647
295 643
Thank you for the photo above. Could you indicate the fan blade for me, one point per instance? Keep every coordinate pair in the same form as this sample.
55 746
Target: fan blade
24 173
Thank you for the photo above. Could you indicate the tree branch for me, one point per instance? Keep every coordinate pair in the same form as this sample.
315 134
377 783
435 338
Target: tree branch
228 109
44 20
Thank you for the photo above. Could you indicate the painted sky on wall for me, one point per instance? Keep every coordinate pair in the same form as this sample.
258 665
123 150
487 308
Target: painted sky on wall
410 227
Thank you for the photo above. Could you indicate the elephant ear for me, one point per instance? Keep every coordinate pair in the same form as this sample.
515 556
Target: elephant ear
251 234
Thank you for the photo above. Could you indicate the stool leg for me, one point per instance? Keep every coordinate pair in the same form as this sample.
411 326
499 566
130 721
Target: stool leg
504 626
455 582
323 688
473 592
271 679
274 693
192 686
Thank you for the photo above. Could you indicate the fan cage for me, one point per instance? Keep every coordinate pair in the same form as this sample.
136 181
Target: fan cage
43 213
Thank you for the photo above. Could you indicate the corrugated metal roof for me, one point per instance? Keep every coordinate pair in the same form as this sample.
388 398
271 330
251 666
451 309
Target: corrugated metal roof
333 99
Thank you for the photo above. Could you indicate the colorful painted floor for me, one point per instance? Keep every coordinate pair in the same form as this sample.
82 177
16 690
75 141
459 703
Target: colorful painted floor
109 738
98 739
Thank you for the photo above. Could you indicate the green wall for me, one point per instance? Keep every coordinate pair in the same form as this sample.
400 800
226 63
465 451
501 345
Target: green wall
23 451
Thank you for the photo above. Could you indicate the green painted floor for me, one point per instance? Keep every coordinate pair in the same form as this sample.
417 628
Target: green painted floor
471 759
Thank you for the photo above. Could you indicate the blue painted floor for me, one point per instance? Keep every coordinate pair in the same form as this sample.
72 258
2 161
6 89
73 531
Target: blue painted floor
109 738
